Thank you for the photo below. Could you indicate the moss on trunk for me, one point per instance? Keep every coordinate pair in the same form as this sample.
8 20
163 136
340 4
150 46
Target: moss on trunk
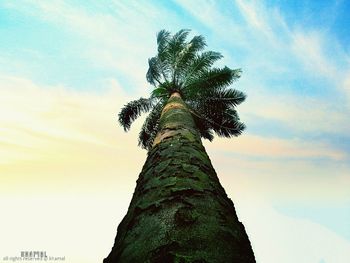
179 211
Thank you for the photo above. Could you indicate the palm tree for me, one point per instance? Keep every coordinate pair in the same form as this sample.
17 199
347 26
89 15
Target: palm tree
179 211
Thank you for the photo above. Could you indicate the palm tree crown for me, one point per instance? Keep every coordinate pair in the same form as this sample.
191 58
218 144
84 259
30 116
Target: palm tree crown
184 67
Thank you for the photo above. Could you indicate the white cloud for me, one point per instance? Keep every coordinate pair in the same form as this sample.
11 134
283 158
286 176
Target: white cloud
308 49
257 20
211 17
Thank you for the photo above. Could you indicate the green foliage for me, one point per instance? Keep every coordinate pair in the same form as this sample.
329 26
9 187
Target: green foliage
150 127
183 66
133 110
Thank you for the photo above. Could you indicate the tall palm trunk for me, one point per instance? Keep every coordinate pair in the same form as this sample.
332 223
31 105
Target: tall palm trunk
179 211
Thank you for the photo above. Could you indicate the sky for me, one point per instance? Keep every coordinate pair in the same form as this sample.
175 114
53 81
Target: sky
68 170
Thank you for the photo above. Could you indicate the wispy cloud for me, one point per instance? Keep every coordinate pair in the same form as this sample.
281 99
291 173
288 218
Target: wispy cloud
274 49
109 40
50 133
56 139
259 146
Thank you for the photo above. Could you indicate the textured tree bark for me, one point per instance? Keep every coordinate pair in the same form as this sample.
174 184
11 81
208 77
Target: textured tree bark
179 211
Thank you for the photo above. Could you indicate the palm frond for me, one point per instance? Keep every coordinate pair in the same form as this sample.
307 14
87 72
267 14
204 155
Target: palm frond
163 90
160 92
179 38
163 38
177 43
150 127
218 116
133 110
175 46
197 43
154 72
228 127
182 66
200 64
215 78
163 56
186 56
203 126
223 124
231 97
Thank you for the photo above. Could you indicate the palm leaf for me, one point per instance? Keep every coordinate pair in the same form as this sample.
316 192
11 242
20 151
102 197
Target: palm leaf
203 126
218 115
228 127
133 110
163 56
182 66
150 127
231 97
163 90
211 79
154 72
175 46
186 56
163 38
200 64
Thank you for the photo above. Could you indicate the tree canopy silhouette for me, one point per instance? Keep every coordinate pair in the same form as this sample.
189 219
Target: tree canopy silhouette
184 67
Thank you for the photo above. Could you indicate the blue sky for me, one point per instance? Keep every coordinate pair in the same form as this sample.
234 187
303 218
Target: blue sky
66 68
